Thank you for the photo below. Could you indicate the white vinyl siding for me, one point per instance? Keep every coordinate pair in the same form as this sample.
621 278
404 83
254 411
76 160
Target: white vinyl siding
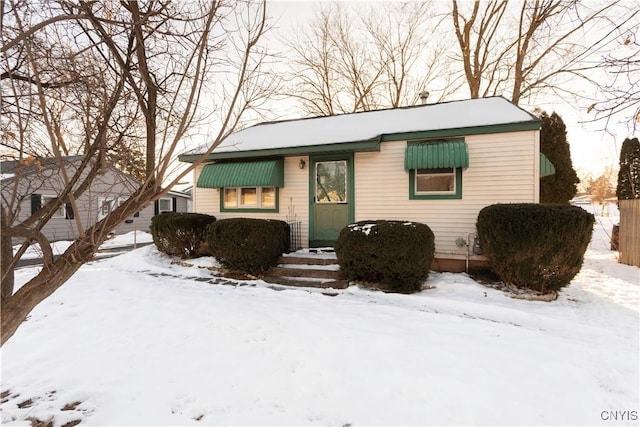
205 200
502 169
293 198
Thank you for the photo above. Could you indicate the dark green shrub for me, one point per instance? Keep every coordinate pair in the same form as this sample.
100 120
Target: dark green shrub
180 234
396 254
248 245
561 186
540 247
629 174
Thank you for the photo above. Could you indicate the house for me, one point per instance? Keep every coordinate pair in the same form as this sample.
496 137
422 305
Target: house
188 192
438 164
34 184
173 201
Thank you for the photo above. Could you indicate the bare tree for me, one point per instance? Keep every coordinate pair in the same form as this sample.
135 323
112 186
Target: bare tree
141 71
412 54
523 52
351 60
602 189
619 83
478 37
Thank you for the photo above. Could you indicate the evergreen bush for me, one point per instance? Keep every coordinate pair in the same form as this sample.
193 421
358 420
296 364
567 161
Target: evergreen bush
180 234
395 254
248 245
534 246
629 173
560 187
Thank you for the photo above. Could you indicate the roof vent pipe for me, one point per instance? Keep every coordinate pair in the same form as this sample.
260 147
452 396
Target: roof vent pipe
423 96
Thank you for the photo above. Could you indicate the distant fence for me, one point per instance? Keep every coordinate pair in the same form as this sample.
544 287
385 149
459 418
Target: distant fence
629 243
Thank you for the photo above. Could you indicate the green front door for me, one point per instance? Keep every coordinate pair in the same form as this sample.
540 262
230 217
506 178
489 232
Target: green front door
332 198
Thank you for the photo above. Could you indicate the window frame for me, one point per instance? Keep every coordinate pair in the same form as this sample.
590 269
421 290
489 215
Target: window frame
114 203
248 208
346 182
165 199
436 195
61 213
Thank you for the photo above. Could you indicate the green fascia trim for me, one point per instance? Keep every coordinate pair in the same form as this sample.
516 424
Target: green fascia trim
346 147
250 210
414 196
436 154
546 167
476 130
265 173
351 192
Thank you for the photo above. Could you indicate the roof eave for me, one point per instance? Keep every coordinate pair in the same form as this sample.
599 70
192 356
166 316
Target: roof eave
344 147
474 130
367 145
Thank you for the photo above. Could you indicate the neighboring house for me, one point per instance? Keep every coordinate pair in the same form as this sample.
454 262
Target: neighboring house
173 201
188 191
37 183
437 164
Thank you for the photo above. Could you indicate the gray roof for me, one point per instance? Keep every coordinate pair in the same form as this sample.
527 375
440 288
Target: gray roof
10 167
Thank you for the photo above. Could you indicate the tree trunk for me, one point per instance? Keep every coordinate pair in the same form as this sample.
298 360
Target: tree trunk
17 307
6 254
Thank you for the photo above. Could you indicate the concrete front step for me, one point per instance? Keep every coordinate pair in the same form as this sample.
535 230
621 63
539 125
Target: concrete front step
318 270
307 282
304 272
309 260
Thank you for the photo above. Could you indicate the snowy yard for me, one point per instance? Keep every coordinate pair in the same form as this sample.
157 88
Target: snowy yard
59 247
136 340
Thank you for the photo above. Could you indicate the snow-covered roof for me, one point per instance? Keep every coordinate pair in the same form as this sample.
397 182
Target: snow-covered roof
9 168
370 125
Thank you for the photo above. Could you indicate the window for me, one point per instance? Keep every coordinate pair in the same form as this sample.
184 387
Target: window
261 198
249 197
106 206
441 183
331 182
60 213
165 205
435 168
268 197
230 197
435 181
64 211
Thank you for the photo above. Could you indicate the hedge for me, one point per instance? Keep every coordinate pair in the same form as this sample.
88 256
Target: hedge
395 254
180 234
248 245
535 246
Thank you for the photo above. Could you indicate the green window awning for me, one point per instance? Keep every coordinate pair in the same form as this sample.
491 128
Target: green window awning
546 167
264 173
436 154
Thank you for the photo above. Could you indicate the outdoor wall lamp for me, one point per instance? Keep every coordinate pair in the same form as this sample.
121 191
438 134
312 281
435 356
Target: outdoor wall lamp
301 164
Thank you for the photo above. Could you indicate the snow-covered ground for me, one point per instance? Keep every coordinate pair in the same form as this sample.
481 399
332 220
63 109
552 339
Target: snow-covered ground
59 247
137 340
